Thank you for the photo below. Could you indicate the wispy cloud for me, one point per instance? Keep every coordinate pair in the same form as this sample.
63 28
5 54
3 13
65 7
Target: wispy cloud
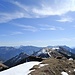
58 7
45 8
50 27
30 28
6 17
65 19
16 33
27 9
22 6
26 27
41 27
12 34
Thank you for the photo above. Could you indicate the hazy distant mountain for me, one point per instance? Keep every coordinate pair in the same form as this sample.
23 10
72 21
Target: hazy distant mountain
73 50
21 58
29 49
9 52
16 59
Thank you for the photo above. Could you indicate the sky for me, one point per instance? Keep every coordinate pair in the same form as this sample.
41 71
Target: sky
37 22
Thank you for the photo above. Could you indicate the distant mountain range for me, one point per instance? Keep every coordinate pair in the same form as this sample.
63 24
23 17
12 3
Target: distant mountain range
7 53
53 55
55 51
64 46
43 53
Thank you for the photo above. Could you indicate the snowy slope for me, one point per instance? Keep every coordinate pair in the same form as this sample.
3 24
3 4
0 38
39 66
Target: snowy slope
43 53
22 69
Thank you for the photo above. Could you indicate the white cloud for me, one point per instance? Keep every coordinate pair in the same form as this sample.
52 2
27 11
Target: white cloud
41 27
49 27
5 17
27 27
26 8
65 19
45 8
59 7
30 28
12 34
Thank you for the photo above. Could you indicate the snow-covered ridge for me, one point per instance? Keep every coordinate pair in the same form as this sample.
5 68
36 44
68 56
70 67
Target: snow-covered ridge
22 69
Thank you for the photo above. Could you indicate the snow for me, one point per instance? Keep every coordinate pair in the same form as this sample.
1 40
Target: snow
64 73
55 48
44 51
41 65
69 71
22 69
70 58
74 69
49 54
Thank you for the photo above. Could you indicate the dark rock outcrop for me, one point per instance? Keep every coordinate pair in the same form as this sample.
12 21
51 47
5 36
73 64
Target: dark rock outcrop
3 67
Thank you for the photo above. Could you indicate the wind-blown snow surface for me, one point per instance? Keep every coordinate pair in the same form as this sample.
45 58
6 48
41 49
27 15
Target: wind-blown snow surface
22 69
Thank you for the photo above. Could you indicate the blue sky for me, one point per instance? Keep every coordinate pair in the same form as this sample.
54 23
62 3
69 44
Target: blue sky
37 22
